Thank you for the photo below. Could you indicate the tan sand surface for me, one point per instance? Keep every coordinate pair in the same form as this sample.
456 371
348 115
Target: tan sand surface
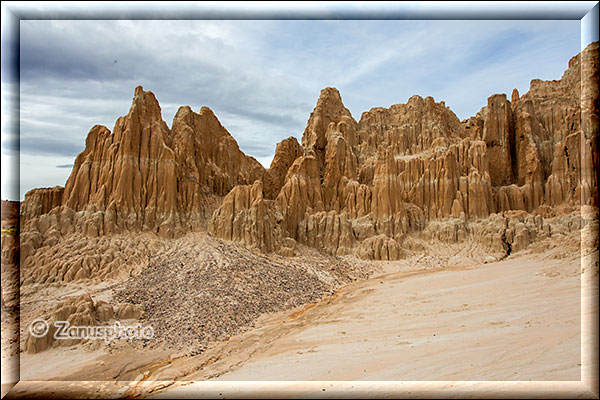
514 320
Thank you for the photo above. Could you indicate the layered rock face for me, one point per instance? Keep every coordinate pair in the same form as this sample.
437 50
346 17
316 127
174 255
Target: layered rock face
145 176
351 187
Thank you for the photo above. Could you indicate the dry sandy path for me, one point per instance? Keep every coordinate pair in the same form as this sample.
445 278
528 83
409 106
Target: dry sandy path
514 320
506 321
518 319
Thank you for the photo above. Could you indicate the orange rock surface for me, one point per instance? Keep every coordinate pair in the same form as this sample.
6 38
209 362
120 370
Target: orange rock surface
351 187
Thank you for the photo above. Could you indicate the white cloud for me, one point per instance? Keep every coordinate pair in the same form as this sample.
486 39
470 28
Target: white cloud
262 78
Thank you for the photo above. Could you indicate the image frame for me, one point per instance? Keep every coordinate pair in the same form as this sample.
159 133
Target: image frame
586 12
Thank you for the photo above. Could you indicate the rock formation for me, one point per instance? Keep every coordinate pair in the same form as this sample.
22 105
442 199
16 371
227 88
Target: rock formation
329 109
41 201
80 311
244 216
351 187
145 176
286 153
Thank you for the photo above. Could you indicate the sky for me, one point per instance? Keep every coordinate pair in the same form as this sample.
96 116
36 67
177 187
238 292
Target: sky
261 78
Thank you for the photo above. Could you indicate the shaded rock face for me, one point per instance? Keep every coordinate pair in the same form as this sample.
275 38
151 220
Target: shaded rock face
286 152
244 216
351 187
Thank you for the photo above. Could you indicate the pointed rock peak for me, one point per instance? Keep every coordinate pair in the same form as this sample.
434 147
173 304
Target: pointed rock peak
139 90
330 92
207 111
515 96
142 95
183 117
330 99
329 109
208 116
183 112
145 102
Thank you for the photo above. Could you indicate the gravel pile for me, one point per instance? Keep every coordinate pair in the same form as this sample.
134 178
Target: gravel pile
208 290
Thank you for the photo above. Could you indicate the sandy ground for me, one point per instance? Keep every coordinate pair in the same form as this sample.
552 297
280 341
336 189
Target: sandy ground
10 355
513 320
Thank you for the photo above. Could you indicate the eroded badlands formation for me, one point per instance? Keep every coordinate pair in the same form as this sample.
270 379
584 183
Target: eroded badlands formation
374 188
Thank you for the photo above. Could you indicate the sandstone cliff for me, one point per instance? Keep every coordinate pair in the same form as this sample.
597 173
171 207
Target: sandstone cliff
352 187
143 176
41 201
244 216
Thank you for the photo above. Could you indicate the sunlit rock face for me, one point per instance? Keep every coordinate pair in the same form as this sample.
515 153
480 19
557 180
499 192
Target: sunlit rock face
350 187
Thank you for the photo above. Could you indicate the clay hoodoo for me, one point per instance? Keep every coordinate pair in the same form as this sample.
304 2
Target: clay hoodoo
351 187
144 176
40 201
329 109
286 153
244 216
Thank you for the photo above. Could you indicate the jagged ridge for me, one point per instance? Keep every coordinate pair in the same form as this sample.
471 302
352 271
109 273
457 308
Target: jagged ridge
351 188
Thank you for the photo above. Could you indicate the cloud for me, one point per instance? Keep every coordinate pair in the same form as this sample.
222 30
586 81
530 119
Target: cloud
42 171
49 146
65 166
262 78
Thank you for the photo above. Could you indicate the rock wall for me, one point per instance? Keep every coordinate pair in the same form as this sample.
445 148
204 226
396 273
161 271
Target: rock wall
41 201
244 216
351 187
